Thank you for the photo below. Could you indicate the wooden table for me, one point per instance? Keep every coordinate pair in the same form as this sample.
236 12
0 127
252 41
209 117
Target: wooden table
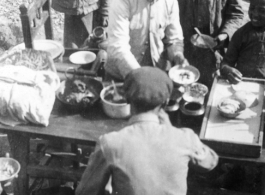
64 125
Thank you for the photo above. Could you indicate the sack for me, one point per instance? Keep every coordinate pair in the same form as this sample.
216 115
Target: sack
26 95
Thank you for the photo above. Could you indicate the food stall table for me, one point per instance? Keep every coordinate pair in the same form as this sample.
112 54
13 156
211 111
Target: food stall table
84 129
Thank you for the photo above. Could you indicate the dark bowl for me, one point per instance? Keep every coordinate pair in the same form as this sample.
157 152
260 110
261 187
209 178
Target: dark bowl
93 85
192 108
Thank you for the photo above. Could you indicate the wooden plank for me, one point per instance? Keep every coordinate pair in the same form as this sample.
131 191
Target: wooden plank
56 172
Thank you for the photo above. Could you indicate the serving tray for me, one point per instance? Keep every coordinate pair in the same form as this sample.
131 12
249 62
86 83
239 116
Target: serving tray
242 135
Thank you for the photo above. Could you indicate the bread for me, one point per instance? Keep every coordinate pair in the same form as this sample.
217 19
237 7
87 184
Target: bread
250 99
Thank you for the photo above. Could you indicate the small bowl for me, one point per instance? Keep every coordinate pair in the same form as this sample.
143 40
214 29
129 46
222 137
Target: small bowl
195 92
203 41
183 75
231 101
82 57
192 108
11 164
114 110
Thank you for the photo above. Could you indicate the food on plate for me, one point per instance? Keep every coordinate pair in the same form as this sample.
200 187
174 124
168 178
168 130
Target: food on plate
33 59
250 99
229 106
110 96
77 92
195 92
183 77
6 171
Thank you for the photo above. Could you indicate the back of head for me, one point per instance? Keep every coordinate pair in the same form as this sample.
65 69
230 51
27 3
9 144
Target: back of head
147 88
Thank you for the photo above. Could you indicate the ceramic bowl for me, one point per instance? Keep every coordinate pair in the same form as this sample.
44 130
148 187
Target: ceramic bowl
183 75
230 107
9 168
114 109
82 57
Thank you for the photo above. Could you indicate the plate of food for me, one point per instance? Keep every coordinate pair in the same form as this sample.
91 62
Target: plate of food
79 93
53 47
183 74
230 107
82 57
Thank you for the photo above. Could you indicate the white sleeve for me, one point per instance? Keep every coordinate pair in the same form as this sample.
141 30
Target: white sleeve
119 50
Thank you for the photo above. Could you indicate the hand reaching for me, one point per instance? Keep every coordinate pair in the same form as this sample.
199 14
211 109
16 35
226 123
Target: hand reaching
232 74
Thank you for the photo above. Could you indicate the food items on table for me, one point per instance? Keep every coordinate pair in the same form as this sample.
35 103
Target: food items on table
229 105
250 99
77 92
111 96
26 95
33 59
6 171
183 77
195 92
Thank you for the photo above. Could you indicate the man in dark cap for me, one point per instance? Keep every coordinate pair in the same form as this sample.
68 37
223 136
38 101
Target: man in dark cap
149 156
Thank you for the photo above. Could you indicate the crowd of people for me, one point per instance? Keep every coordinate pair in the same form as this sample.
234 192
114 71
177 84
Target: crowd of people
145 39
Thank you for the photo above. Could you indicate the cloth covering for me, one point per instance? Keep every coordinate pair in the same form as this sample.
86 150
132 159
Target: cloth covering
26 95
147 86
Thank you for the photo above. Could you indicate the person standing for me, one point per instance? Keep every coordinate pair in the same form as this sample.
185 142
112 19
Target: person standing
80 17
143 33
217 18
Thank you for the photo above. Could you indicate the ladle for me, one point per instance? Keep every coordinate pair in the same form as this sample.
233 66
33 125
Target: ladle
116 95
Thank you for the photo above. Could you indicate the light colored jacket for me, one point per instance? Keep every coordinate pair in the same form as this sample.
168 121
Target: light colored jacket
136 24
146 158
80 7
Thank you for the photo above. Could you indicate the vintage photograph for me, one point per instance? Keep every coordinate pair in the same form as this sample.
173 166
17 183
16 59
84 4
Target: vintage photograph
132 97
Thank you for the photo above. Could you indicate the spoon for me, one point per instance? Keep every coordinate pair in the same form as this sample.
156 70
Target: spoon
116 95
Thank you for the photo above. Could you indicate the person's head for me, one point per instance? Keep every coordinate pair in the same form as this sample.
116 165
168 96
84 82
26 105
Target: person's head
257 13
147 88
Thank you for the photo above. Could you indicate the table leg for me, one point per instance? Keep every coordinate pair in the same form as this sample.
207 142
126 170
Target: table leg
19 145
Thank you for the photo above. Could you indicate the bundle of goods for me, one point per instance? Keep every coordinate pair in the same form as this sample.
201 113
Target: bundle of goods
28 82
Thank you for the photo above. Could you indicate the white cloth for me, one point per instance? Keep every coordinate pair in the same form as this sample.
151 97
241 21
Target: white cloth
26 95
134 25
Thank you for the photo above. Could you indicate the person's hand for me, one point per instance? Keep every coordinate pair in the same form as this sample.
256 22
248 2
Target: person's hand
221 40
179 59
232 74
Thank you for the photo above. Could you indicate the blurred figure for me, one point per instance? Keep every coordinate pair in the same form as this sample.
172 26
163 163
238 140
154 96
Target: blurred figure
217 18
81 17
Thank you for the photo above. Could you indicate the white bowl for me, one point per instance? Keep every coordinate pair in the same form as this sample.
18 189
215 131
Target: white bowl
12 164
82 57
183 75
114 110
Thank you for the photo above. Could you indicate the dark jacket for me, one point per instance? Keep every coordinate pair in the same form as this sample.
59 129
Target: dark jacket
225 16
79 7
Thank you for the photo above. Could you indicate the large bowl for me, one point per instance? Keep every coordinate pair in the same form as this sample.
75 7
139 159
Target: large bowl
183 75
223 112
9 168
93 85
114 110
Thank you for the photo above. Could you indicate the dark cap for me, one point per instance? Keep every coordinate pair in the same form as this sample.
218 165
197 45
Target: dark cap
147 86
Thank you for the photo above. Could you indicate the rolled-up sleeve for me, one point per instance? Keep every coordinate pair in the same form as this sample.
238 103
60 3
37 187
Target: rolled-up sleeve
120 58
173 33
